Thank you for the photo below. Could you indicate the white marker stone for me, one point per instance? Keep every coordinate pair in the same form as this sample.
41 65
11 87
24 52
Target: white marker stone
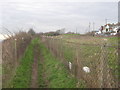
70 65
86 69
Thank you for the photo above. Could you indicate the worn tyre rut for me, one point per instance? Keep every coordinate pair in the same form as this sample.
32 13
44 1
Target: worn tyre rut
44 75
34 78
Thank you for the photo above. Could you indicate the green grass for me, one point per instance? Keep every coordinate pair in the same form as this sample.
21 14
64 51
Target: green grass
57 74
41 80
22 78
68 53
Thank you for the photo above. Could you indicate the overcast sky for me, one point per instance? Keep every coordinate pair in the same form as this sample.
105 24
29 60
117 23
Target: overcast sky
50 15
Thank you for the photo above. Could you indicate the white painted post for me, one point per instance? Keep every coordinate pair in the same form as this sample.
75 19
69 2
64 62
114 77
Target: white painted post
22 38
70 65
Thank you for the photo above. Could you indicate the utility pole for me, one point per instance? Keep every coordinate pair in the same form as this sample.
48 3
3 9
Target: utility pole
93 26
76 30
89 26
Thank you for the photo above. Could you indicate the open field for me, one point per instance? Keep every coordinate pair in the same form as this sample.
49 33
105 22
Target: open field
100 54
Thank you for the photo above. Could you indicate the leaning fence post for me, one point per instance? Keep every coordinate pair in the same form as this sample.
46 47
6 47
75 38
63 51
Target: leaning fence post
57 47
60 48
76 61
50 39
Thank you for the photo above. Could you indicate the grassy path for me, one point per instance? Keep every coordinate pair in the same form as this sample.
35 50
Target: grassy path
43 82
40 69
34 79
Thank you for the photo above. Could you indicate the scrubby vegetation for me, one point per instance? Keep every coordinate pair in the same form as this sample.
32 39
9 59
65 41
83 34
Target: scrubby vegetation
13 50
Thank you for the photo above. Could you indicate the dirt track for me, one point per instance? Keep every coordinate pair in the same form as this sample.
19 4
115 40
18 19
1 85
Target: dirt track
34 80
44 75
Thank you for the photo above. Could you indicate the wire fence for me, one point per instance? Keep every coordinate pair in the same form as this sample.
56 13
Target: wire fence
13 49
95 64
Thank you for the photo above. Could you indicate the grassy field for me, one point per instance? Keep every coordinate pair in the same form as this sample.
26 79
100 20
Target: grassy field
80 39
87 51
90 46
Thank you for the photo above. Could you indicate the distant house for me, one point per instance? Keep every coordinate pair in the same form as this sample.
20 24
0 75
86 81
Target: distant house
106 28
109 29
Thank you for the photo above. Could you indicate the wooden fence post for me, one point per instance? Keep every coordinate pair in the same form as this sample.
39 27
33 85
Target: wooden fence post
15 52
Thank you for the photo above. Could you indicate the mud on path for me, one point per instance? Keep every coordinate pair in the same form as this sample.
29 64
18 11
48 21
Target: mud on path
34 78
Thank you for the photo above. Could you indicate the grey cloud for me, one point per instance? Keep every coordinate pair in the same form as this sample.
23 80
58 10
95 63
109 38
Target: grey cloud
54 15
